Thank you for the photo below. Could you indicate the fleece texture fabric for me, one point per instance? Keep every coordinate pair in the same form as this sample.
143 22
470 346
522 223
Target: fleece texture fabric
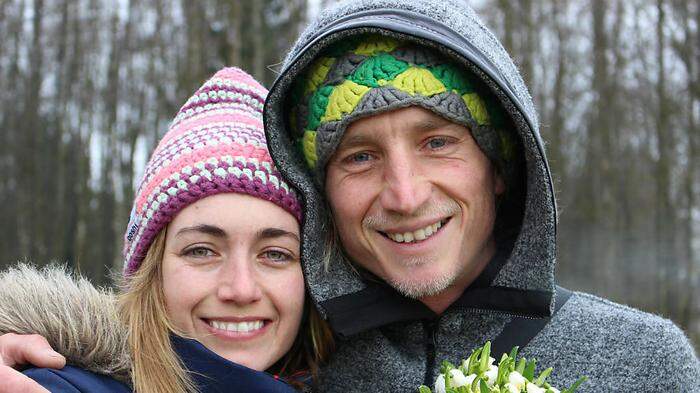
394 344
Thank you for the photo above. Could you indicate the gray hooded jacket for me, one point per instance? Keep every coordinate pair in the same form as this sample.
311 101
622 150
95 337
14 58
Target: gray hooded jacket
389 343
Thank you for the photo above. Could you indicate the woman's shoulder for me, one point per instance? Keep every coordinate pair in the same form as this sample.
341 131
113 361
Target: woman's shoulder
75 380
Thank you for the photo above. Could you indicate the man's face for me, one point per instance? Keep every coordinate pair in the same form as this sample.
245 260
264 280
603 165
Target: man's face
414 200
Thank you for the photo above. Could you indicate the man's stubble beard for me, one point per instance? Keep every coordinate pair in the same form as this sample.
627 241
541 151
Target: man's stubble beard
419 287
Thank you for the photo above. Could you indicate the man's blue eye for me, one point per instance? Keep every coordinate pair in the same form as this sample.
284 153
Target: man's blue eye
437 143
360 157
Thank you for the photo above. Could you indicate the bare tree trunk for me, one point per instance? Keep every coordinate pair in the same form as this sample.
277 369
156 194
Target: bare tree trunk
236 19
590 196
30 232
258 40
12 184
559 94
664 220
506 6
686 50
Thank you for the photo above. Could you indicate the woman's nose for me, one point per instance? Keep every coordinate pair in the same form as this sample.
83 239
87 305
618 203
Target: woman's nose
238 282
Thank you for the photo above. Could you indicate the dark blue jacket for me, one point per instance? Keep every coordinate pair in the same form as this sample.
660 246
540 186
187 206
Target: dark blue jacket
209 371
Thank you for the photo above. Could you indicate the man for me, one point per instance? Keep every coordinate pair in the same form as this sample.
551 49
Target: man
415 124
415 144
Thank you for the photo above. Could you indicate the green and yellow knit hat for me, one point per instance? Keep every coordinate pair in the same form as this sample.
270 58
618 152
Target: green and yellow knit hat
369 74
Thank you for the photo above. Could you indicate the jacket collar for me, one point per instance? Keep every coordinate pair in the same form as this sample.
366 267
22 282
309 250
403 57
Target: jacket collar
212 373
378 304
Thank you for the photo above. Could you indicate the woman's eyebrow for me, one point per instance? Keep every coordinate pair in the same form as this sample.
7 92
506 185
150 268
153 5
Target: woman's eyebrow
203 228
269 233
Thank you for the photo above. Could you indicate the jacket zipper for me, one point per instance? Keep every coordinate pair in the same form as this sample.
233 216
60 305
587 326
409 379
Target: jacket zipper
431 329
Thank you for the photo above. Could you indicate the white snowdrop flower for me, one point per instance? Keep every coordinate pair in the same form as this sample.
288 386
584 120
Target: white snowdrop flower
517 380
470 379
440 384
511 388
491 361
491 374
458 378
532 388
552 389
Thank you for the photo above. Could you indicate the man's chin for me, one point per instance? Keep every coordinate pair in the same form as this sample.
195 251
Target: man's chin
417 289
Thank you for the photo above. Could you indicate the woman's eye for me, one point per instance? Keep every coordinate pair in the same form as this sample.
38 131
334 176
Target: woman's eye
199 252
277 256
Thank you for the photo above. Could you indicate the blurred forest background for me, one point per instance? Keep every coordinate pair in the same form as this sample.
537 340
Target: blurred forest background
88 86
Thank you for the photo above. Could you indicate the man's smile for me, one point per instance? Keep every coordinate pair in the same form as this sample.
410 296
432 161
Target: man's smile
417 235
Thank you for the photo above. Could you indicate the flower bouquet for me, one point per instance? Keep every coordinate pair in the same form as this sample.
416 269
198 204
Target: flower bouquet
478 374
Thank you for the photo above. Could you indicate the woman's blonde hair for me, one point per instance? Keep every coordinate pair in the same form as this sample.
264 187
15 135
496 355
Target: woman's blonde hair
143 311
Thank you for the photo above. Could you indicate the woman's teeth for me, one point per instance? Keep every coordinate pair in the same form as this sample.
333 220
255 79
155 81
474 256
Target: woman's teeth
417 235
241 327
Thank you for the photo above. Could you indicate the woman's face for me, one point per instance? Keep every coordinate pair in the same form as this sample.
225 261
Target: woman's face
232 277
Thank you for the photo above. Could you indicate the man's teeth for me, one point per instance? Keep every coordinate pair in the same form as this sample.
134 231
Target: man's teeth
241 327
418 235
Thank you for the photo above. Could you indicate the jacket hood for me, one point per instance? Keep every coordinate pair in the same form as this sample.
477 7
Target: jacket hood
78 320
523 282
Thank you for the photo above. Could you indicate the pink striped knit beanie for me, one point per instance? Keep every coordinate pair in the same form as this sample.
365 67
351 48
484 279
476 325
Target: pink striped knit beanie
216 144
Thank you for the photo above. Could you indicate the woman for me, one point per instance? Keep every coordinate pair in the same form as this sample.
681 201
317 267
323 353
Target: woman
213 291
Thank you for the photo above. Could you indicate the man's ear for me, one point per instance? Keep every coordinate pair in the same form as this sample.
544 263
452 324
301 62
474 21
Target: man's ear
499 185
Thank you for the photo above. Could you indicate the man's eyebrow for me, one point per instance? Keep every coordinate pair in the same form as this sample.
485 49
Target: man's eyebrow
349 141
271 233
205 229
430 123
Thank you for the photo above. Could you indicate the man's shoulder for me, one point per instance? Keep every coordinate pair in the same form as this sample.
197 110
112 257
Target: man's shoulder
74 379
616 344
588 312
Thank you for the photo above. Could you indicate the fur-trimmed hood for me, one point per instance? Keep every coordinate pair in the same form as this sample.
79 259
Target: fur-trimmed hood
78 320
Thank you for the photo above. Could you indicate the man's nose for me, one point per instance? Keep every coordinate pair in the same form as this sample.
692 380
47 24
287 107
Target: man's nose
238 281
405 186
